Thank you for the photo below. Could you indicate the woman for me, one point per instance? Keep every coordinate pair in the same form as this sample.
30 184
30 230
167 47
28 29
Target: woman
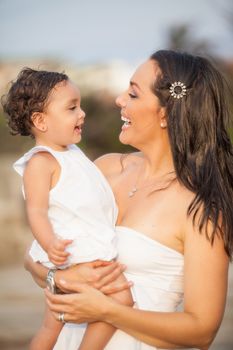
175 212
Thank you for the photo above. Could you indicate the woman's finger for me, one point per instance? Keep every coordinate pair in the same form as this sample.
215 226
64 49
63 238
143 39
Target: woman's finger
61 303
67 285
58 307
103 271
55 298
107 274
68 318
99 263
115 288
60 299
110 277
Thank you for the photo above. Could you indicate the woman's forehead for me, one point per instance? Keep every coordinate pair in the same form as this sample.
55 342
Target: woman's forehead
145 74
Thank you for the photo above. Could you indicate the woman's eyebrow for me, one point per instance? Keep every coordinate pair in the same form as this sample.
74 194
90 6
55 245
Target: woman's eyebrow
133 83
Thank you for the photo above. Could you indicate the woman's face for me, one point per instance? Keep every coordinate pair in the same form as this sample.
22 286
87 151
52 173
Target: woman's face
140 108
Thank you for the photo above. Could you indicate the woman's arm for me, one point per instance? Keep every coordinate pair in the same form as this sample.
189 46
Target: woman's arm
205 286
99 274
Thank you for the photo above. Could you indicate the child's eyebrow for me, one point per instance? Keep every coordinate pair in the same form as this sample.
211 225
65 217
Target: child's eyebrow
73 100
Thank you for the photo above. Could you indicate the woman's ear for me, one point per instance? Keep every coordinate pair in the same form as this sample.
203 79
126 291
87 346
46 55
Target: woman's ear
39 121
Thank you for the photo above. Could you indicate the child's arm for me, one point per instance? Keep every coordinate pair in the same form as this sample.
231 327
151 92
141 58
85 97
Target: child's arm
40 175
98 334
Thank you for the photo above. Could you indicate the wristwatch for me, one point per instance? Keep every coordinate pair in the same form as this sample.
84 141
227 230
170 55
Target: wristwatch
50 281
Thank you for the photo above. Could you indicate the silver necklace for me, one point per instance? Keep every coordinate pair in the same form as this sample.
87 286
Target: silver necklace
135 188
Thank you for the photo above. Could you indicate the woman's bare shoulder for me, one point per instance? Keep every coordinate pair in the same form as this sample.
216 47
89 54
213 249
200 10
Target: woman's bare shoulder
114 163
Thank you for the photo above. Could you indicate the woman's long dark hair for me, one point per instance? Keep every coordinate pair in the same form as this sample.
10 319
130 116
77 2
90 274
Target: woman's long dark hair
197 129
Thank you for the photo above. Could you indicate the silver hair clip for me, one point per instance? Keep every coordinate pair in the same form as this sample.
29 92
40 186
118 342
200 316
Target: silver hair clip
177 90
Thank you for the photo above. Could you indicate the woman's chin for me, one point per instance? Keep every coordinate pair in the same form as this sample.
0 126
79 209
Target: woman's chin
123 138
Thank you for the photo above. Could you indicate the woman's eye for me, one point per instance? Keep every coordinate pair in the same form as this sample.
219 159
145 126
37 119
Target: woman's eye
132 95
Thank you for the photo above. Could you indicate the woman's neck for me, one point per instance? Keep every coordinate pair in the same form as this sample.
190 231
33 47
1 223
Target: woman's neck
157 159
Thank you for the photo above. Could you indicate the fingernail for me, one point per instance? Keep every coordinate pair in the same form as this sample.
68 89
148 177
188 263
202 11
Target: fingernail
62 282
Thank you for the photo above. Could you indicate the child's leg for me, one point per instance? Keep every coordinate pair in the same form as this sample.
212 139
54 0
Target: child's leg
98 334
47 335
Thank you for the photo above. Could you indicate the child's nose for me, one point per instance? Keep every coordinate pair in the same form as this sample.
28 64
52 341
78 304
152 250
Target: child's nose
82 113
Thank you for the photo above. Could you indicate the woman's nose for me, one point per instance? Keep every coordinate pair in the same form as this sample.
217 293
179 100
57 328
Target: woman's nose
120 101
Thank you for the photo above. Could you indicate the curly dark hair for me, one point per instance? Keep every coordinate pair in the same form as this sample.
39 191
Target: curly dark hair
27 95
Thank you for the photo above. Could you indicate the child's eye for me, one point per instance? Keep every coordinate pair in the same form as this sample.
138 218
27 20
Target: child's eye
73 108
132 95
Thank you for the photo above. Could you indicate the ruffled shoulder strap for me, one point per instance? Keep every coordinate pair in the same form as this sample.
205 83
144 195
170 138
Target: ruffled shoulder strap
20 164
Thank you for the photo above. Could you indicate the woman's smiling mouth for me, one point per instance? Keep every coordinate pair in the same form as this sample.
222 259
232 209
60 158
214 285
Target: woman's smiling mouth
126 124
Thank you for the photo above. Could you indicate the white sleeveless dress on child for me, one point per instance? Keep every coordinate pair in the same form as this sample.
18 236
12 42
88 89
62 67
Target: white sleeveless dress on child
157 273
81 207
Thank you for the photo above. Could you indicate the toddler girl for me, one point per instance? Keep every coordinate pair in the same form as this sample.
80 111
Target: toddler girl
70 206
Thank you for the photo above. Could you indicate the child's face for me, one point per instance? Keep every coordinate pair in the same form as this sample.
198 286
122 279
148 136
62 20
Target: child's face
63 116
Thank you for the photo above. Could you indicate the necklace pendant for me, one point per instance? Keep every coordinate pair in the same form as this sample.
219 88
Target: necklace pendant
132 192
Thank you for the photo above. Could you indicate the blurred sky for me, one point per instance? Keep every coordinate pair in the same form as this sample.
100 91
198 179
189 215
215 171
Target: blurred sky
89 31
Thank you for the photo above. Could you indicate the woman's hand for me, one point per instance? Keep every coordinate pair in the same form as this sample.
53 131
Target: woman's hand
86 305
98 274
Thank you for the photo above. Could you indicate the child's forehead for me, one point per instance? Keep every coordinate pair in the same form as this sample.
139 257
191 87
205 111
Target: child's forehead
65 90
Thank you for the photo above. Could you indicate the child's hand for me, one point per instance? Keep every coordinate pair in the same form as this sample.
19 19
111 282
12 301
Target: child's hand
56 251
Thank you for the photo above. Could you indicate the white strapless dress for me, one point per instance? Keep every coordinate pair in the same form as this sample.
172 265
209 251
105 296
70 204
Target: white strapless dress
157 273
